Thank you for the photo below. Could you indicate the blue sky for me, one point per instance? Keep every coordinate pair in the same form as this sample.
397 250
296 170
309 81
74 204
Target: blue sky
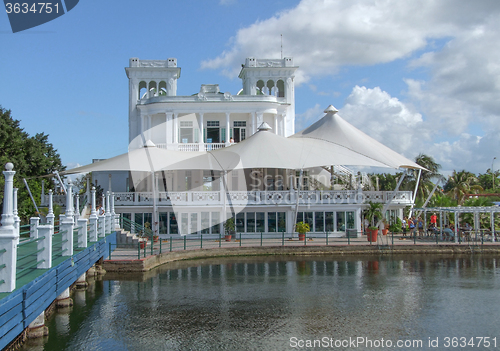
418 77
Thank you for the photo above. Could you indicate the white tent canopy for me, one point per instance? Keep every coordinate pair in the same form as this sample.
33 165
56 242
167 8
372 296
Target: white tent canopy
150 159
329 141
334 130
265 149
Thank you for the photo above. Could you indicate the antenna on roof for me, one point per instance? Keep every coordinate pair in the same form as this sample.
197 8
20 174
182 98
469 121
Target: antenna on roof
281 46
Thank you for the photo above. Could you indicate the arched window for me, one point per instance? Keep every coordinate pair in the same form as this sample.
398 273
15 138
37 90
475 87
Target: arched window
281 88
142 89
163 88
260 87
270 86
152 88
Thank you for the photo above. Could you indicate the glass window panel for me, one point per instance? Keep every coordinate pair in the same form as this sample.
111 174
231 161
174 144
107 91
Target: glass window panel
319 225
194 223
215 223
309 219
341 221
271 222
138 219
205 223
350 220
163 223
300 217
329 221
240 222
250 222
184 223
148 219
260 222
281 221
173 224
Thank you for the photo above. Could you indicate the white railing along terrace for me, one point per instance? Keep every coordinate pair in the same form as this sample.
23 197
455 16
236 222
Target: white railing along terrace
192 146
243 198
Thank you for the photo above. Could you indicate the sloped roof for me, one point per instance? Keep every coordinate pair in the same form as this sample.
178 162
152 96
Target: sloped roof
333 129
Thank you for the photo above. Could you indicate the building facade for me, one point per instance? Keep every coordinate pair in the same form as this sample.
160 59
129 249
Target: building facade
197 202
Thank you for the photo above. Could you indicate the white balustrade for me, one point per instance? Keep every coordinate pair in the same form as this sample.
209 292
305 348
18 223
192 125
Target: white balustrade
242 198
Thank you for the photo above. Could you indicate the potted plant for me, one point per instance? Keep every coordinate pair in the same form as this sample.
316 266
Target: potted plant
229 227
386 227
373 211
302 228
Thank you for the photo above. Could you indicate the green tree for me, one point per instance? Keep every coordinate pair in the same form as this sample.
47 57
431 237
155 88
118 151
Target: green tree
461 183
426 184
32 157
486 181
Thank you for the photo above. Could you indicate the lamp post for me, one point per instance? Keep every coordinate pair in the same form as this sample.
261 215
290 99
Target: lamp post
493 173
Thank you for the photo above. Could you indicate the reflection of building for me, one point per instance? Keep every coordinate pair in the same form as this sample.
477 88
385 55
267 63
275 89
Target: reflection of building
191 201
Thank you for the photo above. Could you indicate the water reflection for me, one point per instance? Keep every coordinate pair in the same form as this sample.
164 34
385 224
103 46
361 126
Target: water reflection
260 303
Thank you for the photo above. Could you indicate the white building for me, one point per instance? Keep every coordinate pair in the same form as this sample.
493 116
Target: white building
193 201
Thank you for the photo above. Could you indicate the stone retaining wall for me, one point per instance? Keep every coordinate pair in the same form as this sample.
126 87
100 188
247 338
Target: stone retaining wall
148 263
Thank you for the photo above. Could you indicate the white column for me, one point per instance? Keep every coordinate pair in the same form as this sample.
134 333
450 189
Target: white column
88 188
34 222
141 122
169 128
67 224
44 246
50 215
77 207
8 235
82 232
107 214
114 223
17 220
93 218
275 124
149 127
200 125
254 123
176 129
228 126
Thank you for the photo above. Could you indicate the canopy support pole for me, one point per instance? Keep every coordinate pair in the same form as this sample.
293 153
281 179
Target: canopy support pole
297 202
60 181
415 191
31 196
430 195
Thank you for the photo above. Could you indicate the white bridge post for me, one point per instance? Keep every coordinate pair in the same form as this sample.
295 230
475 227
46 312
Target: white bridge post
8 235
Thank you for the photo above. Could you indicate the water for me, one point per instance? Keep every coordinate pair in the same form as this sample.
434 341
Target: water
272 304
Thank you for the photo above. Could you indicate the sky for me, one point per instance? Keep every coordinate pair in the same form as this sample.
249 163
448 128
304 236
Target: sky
419 76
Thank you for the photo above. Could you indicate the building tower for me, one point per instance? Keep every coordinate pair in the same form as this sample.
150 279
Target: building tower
274 78
148 79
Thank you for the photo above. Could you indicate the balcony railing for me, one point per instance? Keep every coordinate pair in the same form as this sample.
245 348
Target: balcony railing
244 198
192 146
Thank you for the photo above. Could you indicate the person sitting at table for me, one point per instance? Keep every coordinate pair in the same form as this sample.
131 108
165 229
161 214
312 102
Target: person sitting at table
448 232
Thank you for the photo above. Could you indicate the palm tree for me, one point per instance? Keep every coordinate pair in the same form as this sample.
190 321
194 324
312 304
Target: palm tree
426 184
461 183
375 210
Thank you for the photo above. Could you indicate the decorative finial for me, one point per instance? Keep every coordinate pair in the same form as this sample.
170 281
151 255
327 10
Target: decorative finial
331 109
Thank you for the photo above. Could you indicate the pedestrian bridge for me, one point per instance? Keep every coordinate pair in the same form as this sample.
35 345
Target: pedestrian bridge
40 262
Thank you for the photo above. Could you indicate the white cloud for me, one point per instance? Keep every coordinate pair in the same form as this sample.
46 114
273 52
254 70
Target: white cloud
323 35
386 119
452 115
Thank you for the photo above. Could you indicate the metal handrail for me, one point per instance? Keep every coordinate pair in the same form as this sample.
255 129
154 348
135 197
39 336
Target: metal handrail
26 242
